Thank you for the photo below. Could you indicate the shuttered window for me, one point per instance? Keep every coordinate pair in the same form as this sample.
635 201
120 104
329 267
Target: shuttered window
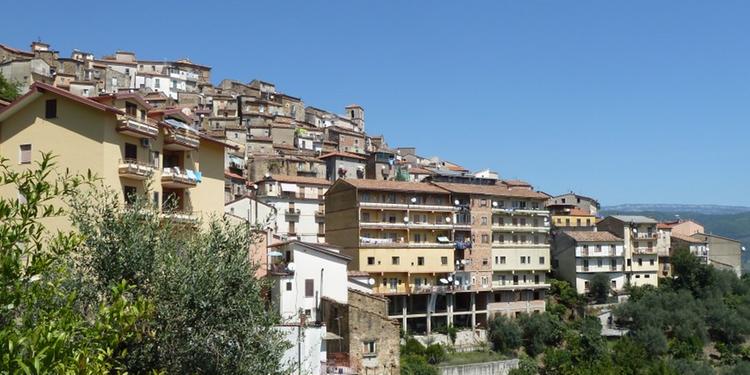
50 108
309 287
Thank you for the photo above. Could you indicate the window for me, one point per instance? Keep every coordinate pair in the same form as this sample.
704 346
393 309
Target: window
483 203
647 276
131 109
496 260
129 193
637 276
578 222
369 347
154 158
586 285
598 262
485 238
651 262
640 261
536 279
370 261
523 260
484 220
485 261
156 199
131 151
443 260
420 261
156 83
309 287
288 285
541 260
502 260
614 284
50 108
24 156
395 260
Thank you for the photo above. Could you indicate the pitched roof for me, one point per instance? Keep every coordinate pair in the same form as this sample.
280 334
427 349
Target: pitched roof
590 236
420 170
402 186
687 239
297 179
579 212
38 88
341 154
492 190
638 219
322 248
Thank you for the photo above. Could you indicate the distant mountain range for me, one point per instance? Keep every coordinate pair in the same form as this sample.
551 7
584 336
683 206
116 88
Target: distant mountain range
727 221
706 209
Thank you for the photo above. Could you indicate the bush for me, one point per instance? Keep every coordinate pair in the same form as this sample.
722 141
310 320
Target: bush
416 365
540 331
599 288
434 354
505 334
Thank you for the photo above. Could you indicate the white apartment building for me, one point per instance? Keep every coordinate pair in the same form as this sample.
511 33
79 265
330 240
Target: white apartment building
579 255
641 240
299 204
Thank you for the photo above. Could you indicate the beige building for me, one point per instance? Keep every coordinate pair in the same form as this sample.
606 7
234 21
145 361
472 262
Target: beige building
641 240
115 138
444 253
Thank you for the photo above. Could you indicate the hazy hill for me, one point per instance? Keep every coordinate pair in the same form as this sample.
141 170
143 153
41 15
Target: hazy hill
728 221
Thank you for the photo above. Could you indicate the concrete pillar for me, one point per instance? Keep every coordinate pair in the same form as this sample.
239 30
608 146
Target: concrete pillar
429 323
449 307
473 310
403 313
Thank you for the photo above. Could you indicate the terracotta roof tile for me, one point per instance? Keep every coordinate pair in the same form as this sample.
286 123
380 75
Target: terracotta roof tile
297 180
403 186
586 236
342 154
492 190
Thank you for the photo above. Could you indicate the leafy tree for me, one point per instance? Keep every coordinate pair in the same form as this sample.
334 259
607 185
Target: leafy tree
412 346
540 331
629 356
599 289
209 312
412 364
653 340
8 90
44 327
505 334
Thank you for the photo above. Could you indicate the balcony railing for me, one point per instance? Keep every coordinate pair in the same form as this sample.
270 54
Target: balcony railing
137 128
181 216
292 215
404 206
524 211
645 236
320 216
387 243
176 178
519 228
135 169
181 139
644 250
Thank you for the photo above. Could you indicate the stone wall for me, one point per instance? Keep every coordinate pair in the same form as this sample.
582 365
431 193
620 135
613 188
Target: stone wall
486 368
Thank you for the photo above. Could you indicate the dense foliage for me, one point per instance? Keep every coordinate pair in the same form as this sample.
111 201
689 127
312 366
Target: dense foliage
209 314
45 327
8 90
696 323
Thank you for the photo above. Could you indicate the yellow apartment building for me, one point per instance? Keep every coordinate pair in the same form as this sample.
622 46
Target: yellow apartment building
114 137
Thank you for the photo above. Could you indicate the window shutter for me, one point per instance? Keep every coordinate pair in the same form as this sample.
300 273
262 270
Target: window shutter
309 287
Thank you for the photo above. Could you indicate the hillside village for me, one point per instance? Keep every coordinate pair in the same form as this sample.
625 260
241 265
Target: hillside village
363 240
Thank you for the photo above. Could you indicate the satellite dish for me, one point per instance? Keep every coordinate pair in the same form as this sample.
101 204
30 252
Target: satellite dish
371 281
456 202
447 219
494 204
291 266
444 281
635 230
413 199
406 219
456 283
743 248
450 278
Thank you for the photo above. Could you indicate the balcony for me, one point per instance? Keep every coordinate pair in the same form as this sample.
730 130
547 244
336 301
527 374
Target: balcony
181 140
181 217
179 179
520 211
292 215
592 252
519 228
645 236
428 225
389 243
136 128
517 245
462 226
404 206
517 306
320 217
382 224
520 285
644 250
133 169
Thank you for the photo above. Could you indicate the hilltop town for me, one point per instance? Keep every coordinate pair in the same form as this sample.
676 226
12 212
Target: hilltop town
364 241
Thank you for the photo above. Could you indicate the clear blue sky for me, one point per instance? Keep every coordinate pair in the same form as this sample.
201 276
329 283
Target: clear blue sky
628 101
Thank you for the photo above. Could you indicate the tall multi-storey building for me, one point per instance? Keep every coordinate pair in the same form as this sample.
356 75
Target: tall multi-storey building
116 138
641 239
579 255
429 247
299 204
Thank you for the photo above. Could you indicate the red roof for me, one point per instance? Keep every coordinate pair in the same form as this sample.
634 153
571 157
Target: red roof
39 87
341 154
